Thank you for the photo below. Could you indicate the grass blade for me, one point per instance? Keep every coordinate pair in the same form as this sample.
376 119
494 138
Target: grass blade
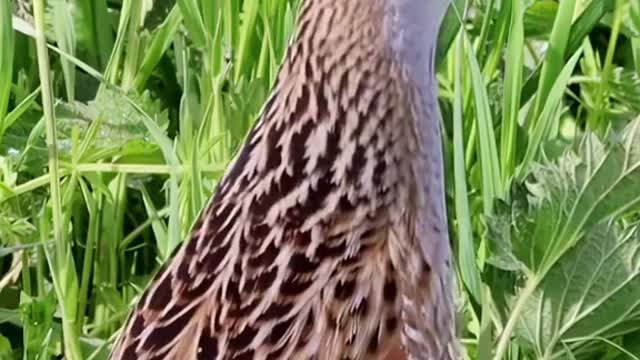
162 39
588 20
6 60
555 56
66 39
544 122
512 88
466 246
489 162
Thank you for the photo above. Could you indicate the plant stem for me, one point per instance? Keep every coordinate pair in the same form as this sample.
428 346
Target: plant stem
505 337
601 96
71 339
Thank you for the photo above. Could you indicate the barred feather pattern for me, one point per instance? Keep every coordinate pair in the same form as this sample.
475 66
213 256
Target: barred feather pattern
309 247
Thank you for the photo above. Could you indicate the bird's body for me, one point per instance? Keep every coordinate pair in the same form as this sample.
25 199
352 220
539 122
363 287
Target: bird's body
327 239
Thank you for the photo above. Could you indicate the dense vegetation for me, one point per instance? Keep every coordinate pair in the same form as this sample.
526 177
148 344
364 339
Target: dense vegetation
117 117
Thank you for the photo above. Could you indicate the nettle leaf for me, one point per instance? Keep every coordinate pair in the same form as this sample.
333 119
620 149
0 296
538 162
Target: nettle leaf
592 291
594 184
567 236
501 234
121 123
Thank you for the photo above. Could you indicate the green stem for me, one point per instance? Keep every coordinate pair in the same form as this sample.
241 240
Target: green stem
43 180
505 337
601 96
87 266
71 339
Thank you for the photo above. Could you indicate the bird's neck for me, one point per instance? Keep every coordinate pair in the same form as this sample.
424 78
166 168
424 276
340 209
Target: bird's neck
412 28
412 34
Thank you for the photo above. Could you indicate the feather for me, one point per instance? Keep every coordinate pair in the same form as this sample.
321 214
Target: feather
308 248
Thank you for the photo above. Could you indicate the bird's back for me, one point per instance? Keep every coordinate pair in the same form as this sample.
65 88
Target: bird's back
305 248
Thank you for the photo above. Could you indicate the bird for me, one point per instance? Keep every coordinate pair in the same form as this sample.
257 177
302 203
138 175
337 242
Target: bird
327 236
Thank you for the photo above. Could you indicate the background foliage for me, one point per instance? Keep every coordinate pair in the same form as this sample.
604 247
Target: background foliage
117 117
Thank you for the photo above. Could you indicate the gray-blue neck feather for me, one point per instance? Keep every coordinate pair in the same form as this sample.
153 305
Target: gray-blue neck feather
412 34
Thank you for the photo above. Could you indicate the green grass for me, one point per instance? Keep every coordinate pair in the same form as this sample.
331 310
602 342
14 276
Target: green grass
118 117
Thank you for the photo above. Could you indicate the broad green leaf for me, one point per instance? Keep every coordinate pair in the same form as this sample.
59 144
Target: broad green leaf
592 291
538 18
121 124
582 266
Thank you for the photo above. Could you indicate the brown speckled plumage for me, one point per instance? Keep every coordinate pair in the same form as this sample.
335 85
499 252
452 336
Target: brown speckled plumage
310 247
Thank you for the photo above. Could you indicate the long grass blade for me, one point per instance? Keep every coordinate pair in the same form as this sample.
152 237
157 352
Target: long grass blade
489 161
466 245
512 88
6 60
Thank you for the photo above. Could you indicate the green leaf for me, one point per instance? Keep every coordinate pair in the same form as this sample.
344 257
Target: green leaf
65 35
512 86
5 348
95 31
564 234
624 87
466 246
450 27
6 59
489 161
549 116
193 22
121 124
538 18
555 57
578 31
160 42
37 316
592 291
632 17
